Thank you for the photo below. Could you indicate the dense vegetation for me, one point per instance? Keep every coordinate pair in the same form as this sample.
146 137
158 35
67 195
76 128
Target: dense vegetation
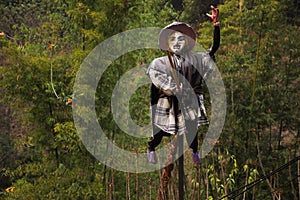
42 47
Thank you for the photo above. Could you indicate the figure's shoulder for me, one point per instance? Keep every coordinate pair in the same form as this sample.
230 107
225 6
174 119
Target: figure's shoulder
204 56
159 61
159 64
201 54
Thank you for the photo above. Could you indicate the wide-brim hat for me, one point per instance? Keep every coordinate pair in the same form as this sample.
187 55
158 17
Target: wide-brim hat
182 27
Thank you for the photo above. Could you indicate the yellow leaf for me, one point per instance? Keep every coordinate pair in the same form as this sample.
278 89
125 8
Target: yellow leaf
10 189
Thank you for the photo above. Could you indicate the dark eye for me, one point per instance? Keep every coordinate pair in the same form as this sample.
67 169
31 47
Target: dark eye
172 39
182 38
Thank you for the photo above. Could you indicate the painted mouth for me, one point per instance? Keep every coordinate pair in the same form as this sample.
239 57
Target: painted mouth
176 47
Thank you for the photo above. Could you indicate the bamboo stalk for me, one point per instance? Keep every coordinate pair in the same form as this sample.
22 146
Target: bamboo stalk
246 182
106 183
199 179
299 178
223 172
262 167
299 172
206 180
112 184
128 186
215 175
291 178
137 178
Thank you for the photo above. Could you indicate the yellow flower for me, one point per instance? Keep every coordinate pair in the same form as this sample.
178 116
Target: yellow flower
51 45
10 189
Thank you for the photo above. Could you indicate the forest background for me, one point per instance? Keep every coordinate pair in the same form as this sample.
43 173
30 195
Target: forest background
43 44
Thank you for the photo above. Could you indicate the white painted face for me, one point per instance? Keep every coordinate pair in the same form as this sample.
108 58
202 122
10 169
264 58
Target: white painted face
177 42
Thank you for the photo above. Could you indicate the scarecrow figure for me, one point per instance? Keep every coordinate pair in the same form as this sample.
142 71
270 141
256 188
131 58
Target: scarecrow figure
177 101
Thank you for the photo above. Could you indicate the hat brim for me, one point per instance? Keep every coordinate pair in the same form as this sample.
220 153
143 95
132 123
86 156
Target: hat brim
180 27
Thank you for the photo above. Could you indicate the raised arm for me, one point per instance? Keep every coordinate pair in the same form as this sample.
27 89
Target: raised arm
216 40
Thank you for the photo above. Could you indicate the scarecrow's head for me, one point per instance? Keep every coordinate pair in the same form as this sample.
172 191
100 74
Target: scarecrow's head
177 37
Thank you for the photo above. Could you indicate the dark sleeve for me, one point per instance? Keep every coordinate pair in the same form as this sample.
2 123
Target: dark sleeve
154 94
216 42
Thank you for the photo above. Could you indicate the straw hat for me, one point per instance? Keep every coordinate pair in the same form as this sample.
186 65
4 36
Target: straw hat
180 27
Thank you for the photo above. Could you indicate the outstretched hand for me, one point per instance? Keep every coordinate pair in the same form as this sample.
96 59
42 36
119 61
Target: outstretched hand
214 15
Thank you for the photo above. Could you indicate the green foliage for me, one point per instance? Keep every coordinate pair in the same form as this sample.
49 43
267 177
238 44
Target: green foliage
41 153
62 183
66 137
224 182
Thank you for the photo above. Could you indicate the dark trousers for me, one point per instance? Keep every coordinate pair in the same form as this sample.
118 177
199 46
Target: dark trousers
191 136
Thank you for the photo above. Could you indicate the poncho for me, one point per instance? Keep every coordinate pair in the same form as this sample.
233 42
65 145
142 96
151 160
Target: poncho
192 70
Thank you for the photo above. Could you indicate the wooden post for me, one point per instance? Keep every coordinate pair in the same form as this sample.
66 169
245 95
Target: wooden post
177 145
166 172
180 168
